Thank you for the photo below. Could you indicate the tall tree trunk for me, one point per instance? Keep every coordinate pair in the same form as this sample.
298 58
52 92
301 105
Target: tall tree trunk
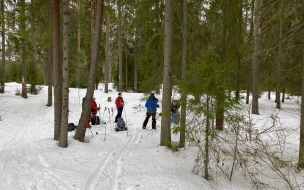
220 96
2 85
63 141
239 46
301 148
126 72
165 136
269 82
92 21
82 124
255 90
206 160
78 45
184 76
280 58
92 32
33 63
50 76
106 69
23 49
249 78
120 86
57 69
50 62
136 60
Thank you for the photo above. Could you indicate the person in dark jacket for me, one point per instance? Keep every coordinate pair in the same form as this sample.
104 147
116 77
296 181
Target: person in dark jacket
175 107
119 105
151 105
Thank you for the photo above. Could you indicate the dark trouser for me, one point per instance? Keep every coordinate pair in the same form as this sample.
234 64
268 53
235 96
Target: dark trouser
119 112
153 120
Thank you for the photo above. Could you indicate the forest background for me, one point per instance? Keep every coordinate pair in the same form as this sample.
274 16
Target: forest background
205 48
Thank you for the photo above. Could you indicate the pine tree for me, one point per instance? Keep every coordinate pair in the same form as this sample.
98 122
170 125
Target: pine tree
82 124
165 136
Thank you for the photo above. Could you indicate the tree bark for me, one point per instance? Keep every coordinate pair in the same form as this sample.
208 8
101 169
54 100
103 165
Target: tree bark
165 136
23 49
120 86
57 69
92 21
184 76
63 141
136 61
239 47
2 85
50 76
78 45
207 159
126 72
82 124
106 70
50 63
255 90
280 59
220 94
301 148
249 78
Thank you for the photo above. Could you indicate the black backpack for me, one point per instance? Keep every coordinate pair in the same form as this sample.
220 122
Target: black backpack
95 120
120 123
71 127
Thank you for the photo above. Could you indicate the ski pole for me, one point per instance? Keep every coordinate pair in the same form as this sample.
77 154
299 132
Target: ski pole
91 132
112 127
104 112
106 125
126 119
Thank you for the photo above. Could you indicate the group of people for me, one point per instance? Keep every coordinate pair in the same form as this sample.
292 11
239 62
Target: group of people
119 102
151 105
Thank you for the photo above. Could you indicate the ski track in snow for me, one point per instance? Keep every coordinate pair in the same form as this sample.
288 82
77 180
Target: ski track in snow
111 168
20 135
36 169
10 151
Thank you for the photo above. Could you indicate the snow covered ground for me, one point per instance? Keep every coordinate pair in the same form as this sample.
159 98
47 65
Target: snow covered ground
108 160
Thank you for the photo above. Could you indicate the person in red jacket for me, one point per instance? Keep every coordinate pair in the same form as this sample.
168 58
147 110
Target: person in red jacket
94 108
119 105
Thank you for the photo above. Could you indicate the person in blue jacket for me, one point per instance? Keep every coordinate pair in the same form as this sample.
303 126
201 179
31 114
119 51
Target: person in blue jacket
151 105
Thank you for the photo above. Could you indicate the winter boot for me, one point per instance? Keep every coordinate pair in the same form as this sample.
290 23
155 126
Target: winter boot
153 123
